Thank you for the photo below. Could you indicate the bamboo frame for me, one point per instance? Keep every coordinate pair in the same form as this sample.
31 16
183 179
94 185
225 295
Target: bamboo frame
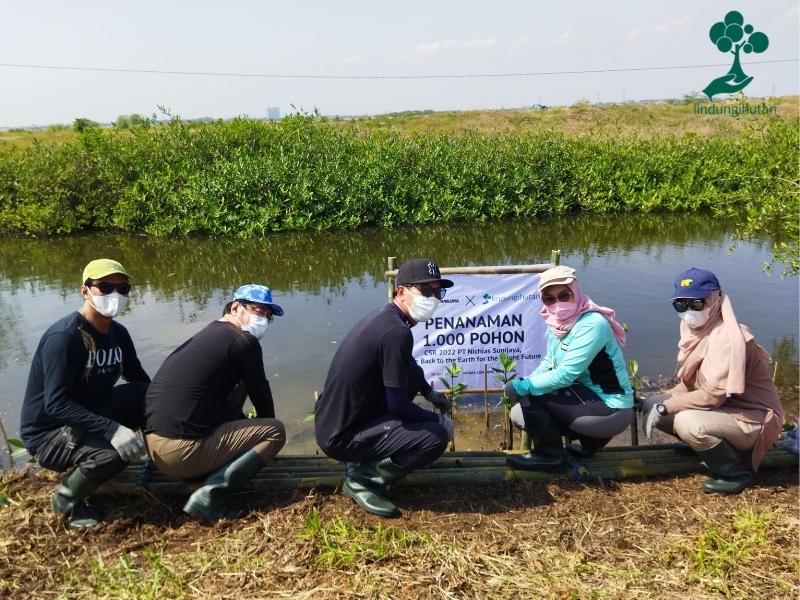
461 468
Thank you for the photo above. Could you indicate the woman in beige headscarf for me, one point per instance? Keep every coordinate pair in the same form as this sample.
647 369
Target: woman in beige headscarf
725 406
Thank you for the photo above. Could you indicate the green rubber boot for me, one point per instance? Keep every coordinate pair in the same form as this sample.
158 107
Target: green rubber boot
366 485
208 502
728 474
68 501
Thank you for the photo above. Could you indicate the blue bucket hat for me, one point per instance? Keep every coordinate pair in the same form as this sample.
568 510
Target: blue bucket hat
252 292
695 283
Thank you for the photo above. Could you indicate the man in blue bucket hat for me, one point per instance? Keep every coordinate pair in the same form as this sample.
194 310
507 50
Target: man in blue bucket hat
194 421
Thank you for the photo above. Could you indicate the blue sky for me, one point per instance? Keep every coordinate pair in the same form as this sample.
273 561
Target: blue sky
352 37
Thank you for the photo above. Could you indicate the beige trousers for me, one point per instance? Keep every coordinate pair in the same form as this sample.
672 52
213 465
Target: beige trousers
187 458
704 429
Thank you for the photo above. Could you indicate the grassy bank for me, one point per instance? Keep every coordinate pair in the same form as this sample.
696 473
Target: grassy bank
247 178
632 539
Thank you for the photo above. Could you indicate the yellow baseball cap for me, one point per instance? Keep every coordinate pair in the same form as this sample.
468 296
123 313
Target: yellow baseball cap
102 267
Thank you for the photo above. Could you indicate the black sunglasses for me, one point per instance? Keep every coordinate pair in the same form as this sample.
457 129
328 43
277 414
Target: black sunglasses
563 296
428 290
106 287
684 304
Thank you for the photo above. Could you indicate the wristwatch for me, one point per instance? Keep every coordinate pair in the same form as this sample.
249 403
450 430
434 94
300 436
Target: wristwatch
662 410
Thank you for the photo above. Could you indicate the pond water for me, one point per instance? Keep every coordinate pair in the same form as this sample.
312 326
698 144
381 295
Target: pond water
327 281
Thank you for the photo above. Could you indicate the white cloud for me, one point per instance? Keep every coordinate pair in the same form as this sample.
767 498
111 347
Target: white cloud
447 45
433 47
522 42
479 43
794 12
635 33
673 25
352 60
567 37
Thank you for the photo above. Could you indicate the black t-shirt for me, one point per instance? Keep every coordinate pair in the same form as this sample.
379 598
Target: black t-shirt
191 392
73 371
376 354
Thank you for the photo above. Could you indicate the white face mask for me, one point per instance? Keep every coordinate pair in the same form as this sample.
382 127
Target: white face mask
257 325
109 305
696 318
423 308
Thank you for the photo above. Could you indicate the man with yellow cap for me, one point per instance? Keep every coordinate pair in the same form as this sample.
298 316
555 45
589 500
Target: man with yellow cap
73 415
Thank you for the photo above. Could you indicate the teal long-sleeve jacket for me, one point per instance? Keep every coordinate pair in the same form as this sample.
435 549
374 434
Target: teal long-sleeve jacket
590 355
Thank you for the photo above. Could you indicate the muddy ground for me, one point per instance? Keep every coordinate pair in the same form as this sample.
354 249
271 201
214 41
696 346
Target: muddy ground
632 539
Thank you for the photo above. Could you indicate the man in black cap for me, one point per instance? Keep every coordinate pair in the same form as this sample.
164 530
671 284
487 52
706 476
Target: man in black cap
366 415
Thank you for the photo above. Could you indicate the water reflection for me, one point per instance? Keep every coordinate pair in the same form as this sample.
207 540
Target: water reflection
327 281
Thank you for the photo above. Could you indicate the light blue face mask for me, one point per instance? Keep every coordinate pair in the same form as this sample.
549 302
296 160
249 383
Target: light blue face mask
257 325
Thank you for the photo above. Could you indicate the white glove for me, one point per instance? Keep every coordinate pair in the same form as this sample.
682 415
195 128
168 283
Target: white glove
651 417
127 444
449 426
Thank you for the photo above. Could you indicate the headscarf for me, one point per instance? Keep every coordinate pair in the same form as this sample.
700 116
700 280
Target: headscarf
583 304
718 348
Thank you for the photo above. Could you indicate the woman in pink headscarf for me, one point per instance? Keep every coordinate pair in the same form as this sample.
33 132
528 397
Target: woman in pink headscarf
581 387
725 406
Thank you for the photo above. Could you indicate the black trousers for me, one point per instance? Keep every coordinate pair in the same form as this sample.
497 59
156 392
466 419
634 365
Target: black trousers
97 459
409 445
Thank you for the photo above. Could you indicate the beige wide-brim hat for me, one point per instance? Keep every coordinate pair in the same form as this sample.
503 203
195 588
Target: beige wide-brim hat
560 275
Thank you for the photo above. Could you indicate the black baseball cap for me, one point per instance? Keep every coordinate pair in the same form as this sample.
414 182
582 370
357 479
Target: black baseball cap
420 270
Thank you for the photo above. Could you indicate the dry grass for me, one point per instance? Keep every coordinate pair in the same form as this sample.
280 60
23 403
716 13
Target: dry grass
633 539
610 121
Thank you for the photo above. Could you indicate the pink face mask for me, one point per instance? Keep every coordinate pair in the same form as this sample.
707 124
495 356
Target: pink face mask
562 310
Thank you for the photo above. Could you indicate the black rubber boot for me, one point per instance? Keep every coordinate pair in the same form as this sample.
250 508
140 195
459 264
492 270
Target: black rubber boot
548 451
366 485
208 502
728 474
588 446
68 501
683 449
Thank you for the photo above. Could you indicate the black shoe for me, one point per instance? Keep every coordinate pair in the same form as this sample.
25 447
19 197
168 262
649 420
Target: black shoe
208 502
729 475
68 501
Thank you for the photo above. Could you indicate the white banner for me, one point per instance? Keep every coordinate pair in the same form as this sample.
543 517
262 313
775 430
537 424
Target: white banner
480 317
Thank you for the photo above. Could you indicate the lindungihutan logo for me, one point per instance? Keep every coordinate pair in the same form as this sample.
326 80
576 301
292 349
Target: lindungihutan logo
732 36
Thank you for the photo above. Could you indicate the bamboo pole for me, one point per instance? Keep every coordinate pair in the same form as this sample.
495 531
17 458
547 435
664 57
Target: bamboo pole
486 269
389 285
486 394
8 444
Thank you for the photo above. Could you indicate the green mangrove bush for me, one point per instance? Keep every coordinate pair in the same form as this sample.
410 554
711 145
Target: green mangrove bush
246 178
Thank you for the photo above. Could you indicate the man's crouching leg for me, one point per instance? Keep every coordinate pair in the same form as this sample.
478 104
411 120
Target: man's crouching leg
95 462
410 446
267 436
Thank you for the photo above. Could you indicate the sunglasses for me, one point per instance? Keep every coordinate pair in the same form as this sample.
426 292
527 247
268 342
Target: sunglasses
563 296
684 304
261 311
428 290
106 287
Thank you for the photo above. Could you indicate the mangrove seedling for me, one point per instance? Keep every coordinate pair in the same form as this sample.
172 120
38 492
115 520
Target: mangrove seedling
504 374
453 390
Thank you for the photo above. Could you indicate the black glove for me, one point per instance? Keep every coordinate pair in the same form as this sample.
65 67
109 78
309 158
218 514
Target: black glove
439 400
511 393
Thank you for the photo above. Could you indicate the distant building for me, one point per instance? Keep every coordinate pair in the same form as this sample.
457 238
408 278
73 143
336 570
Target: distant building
273 113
